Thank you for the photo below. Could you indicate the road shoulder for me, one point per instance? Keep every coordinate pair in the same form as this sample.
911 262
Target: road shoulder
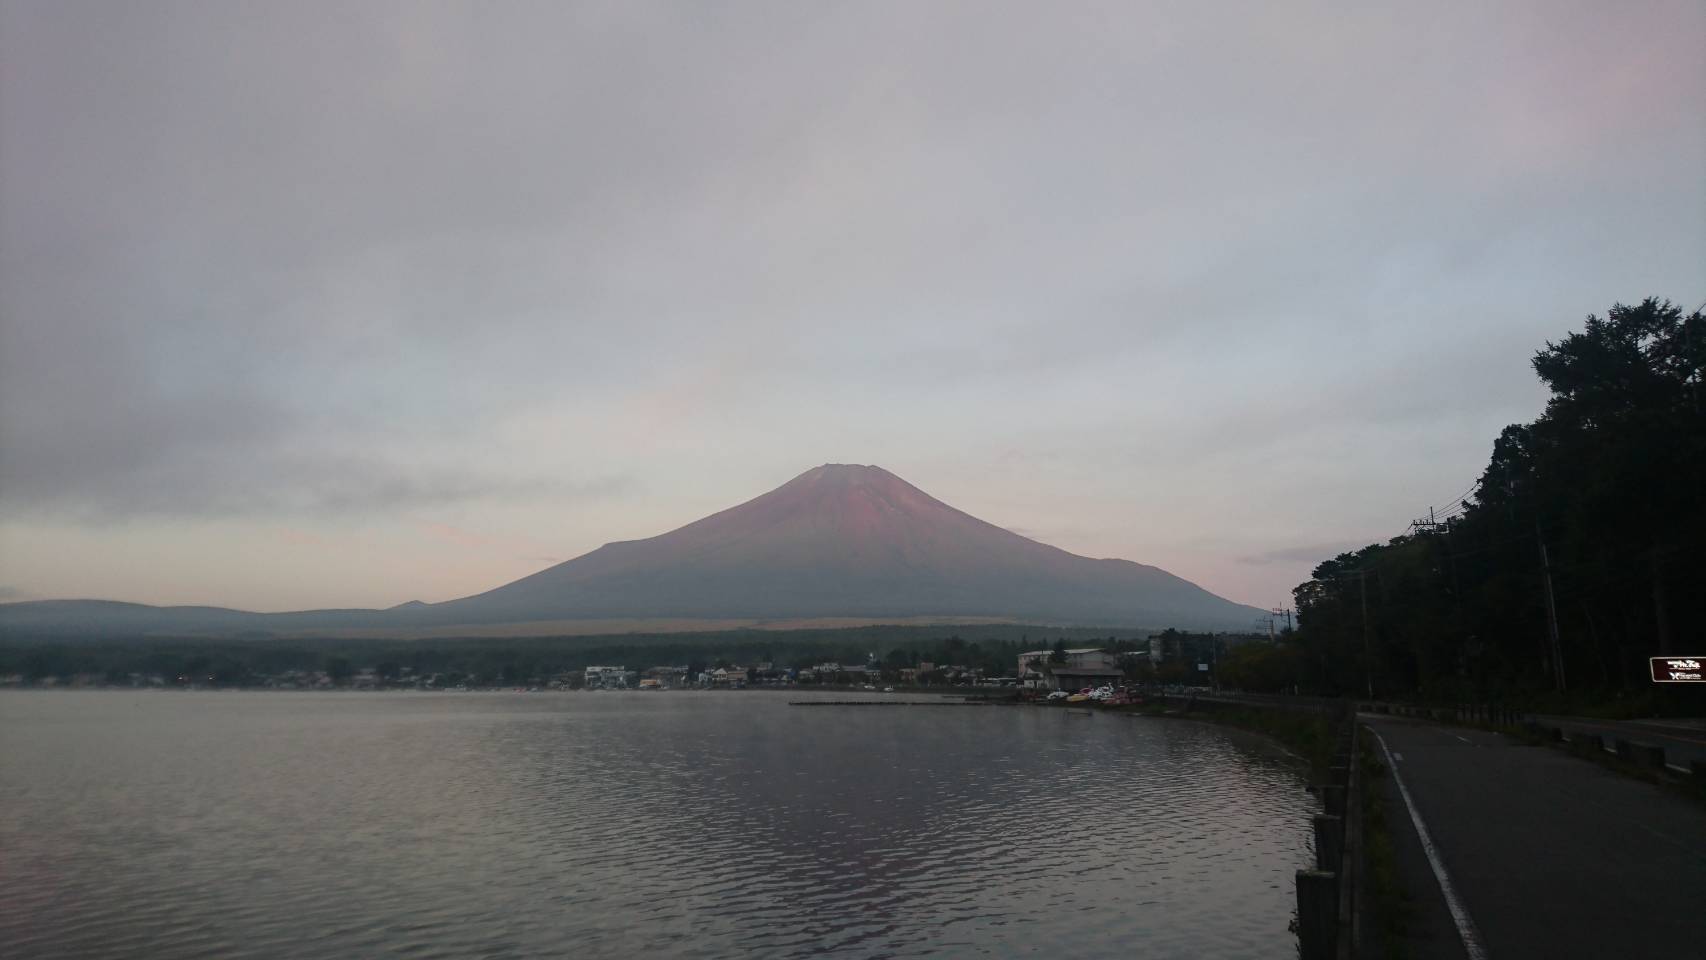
1422 927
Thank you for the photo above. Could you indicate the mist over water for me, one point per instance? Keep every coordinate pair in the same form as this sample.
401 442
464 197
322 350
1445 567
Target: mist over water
675 824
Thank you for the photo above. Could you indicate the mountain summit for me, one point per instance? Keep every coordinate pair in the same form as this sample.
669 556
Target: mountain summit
848 540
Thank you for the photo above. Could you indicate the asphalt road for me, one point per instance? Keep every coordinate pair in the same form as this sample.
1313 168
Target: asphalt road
1549 856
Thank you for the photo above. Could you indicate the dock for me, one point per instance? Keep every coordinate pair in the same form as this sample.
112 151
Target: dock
891 703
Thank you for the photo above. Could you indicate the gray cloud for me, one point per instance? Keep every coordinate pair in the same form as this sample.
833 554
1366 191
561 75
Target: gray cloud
308 260
1311 554
267 485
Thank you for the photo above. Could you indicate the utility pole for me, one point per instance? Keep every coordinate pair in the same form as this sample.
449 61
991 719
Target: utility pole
1361 573
1367 658
1551 610
1430 525
1456 602
1554 648
1693 375
1510 494
1688 353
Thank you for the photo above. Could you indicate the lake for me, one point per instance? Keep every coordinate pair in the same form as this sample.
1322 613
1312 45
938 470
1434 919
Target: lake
676 824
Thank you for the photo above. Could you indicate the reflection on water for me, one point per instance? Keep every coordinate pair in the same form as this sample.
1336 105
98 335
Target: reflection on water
672 824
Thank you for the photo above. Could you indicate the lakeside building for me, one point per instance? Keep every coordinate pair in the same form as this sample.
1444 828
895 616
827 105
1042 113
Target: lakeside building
844 674
666 676
1198 648
729 677
1083 667
608 678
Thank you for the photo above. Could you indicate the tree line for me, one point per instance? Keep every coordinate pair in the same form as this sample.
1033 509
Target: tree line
1575 557
994 650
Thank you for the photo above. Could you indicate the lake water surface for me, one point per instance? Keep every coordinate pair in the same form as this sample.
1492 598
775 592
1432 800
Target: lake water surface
642 824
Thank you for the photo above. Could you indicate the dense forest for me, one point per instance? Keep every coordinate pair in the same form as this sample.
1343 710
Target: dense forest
1575 556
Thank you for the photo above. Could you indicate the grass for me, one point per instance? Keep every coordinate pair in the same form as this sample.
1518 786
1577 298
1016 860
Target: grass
1307 734
1389 908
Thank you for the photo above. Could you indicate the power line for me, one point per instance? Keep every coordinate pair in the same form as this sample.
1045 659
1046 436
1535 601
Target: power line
1465 494
1453 508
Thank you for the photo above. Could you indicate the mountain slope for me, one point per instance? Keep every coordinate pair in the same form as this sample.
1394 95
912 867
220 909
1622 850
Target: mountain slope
850 541
838 541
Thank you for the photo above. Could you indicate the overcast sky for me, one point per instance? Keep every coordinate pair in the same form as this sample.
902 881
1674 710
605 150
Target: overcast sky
339 304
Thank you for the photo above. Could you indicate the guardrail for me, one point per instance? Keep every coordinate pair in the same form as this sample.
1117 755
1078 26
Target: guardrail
1328 910
1486 714
1560 732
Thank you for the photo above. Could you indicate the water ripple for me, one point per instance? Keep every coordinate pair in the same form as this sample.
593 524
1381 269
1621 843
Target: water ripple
682 825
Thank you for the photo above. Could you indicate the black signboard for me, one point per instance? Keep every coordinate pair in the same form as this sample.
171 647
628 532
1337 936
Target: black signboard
1678 669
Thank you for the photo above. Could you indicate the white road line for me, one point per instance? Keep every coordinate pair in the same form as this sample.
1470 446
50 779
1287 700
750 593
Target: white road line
1464 739
1465 925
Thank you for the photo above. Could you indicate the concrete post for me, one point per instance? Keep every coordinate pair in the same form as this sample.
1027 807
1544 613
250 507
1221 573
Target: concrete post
1333 799
1317 914
1649 755
1329 842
